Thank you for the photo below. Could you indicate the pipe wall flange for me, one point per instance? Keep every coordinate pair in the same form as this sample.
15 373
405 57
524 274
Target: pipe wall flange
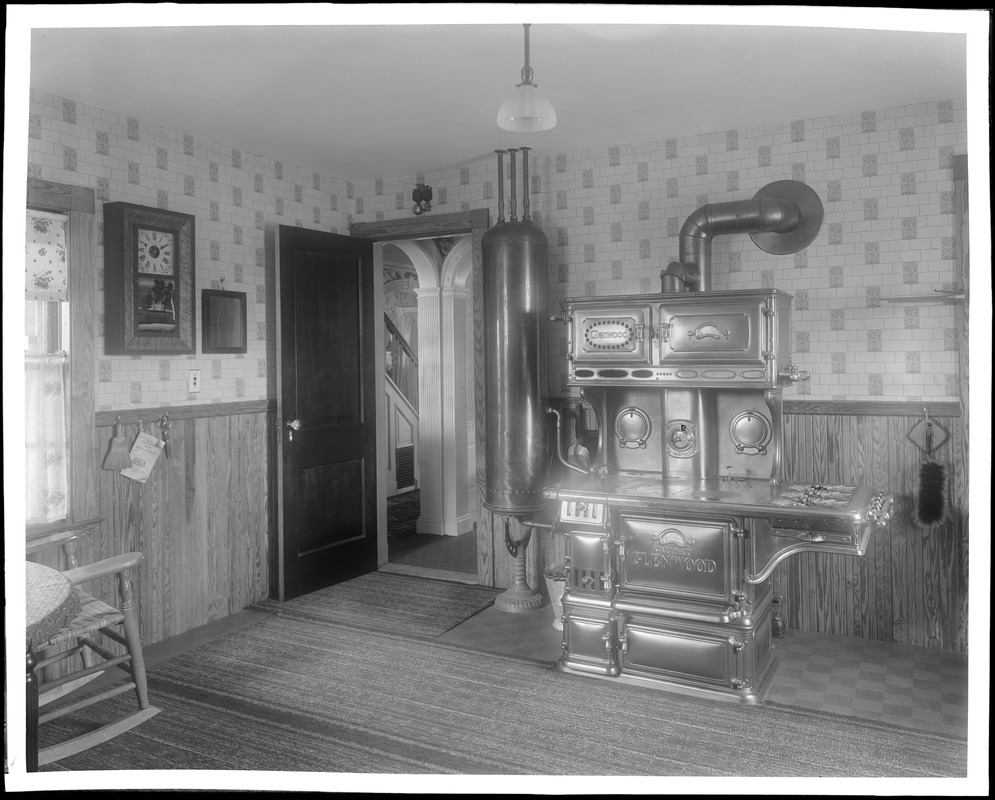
809 222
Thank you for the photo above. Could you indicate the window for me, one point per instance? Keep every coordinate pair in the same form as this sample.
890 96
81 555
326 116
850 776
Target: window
46 369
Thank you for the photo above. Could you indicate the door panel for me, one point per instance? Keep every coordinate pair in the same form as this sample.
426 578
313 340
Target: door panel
320 282
327 409
330 505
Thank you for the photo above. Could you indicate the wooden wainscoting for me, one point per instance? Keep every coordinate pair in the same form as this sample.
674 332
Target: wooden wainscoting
204 519
911 585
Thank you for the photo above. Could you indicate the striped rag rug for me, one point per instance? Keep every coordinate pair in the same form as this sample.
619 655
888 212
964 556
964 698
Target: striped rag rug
297 692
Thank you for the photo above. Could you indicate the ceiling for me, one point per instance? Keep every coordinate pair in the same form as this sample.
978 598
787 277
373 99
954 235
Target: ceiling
356 100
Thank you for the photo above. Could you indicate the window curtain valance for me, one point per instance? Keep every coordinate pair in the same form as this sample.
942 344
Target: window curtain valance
45 262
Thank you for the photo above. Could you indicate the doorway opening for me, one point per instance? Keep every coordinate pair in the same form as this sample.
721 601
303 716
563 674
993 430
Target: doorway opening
430 465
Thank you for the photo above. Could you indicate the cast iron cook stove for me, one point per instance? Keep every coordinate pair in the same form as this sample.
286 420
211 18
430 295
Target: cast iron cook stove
672 534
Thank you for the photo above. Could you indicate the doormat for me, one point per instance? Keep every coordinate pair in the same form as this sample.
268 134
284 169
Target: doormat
420 607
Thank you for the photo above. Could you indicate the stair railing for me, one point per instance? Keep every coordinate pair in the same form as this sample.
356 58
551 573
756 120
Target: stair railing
401 364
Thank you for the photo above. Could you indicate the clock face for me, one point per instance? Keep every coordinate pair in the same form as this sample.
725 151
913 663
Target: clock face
156 252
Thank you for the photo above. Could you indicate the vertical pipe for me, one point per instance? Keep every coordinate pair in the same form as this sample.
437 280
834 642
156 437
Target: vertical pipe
500 155
511 194
525 184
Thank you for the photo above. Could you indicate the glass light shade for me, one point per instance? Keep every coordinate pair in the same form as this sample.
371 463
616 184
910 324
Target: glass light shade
526 111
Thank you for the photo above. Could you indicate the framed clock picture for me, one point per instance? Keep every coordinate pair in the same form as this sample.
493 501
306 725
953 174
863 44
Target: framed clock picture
148 281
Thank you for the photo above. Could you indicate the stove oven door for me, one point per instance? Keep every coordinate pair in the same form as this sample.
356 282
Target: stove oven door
691 558
720 340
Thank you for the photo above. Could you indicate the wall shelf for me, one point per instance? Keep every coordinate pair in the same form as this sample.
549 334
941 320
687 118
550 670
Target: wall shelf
940 296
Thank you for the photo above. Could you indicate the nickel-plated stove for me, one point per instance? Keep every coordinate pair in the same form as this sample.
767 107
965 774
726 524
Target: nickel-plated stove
675 525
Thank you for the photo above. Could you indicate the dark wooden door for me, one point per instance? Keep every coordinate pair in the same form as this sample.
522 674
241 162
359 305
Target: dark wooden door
326 409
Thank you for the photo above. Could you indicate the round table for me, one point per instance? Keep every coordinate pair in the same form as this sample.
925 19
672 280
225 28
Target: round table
51 603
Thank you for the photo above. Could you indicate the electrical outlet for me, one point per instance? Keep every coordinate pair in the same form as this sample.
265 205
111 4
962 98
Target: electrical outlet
193 380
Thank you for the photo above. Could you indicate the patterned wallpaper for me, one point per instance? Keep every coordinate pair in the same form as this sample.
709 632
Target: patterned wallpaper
238 199
612 219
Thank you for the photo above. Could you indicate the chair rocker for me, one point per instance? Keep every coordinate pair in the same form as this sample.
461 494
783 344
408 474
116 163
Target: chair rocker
95 617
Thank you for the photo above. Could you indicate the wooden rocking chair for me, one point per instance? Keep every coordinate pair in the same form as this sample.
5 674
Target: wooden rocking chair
118 624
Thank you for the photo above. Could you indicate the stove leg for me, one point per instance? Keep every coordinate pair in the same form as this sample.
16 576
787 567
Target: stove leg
518 597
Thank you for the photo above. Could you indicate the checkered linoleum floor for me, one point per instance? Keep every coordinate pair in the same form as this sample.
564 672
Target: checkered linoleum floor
908 686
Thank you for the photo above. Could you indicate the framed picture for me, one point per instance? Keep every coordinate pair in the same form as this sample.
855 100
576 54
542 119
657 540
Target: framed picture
223 322
148 281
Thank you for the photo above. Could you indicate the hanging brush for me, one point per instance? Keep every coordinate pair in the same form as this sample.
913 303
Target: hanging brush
930 502
118 456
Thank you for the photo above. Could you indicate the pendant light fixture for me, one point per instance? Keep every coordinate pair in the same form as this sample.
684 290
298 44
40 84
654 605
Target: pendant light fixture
526 111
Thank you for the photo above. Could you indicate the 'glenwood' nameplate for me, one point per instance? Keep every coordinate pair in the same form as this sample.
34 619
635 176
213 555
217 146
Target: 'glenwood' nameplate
611 334
678 557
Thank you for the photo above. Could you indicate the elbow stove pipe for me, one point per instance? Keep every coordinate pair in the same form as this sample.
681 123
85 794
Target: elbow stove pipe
783 217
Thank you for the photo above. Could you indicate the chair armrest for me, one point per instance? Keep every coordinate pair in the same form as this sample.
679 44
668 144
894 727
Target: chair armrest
108 566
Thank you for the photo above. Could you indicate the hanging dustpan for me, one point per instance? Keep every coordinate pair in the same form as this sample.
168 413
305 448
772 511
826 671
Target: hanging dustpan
930 501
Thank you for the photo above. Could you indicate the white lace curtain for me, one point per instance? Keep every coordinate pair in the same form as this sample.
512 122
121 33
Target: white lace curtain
47 470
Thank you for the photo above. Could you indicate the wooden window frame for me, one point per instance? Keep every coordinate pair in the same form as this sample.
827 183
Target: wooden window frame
79 204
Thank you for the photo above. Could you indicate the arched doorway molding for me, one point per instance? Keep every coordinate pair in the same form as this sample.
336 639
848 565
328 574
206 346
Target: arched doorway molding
443 433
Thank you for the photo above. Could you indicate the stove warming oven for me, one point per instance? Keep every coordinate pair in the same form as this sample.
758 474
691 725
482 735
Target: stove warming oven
673 530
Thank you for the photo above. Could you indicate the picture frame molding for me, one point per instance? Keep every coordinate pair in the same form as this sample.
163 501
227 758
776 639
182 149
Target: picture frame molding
208 345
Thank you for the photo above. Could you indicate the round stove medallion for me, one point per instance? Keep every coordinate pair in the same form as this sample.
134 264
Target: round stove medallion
750 431
632 425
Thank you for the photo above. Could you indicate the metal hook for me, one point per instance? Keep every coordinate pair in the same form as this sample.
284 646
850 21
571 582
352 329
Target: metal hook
164 428
924 439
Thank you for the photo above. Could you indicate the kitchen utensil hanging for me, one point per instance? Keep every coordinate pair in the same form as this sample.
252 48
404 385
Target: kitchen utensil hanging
930 501
577 453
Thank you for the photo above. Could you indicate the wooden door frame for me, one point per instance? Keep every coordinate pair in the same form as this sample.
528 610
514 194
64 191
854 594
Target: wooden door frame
475 223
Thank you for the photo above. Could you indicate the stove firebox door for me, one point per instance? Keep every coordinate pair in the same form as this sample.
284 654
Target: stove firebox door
589 564
606 335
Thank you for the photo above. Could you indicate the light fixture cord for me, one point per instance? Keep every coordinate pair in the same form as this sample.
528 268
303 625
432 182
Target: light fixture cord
526 70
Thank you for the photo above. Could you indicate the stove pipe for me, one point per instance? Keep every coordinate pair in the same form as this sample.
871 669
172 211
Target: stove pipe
514 297
783 217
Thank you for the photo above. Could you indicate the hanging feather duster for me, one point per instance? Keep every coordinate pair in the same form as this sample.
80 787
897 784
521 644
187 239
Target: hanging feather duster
931 496
118 455
930 502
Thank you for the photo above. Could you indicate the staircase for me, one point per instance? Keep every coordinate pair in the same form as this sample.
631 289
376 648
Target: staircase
401 389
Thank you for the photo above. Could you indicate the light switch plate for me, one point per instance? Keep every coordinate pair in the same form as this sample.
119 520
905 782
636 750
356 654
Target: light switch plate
193 380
